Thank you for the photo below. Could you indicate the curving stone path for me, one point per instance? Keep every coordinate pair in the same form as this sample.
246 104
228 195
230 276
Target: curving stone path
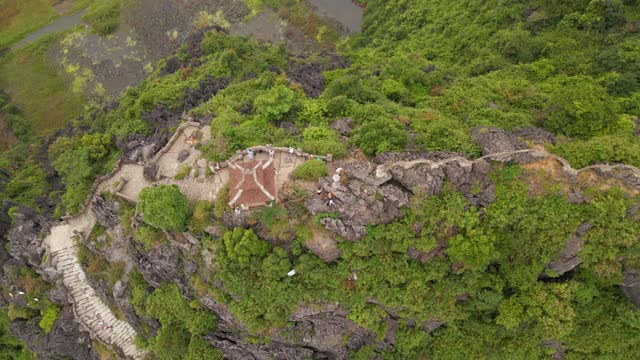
90 310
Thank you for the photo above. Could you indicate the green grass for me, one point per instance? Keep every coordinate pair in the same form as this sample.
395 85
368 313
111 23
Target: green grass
104 16
20 17
35 86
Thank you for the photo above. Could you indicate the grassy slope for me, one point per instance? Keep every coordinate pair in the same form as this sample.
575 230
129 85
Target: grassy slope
37 89
20 17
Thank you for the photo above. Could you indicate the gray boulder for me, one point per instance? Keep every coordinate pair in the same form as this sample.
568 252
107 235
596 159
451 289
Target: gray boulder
495 140
535 135
25 237
631 285
568 258
343 126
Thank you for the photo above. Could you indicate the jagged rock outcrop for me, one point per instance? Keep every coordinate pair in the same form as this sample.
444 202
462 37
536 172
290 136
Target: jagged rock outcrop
64 340
535 135
363 197
344 126
165 263
495 140
234 347
325 329
432 325
25 240
106 211
568 258
631 285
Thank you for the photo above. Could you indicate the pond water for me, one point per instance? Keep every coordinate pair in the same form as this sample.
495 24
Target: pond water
60 24
344 11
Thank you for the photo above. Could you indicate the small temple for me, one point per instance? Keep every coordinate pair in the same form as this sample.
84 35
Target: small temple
252 184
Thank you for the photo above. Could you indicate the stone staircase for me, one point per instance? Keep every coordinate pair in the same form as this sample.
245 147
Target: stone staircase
89 308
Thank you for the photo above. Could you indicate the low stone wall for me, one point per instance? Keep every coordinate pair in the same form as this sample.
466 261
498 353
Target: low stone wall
172 140
626 174
150 166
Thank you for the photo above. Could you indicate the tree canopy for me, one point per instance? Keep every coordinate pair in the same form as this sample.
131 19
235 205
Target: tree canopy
164 207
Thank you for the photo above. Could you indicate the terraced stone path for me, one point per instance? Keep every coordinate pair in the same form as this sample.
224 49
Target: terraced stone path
90 310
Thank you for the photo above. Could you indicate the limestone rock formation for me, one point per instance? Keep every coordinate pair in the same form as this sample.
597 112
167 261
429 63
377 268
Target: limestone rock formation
106 211
534 135
326 329
25 236
631 285
344 126
568 258
495 140
64 340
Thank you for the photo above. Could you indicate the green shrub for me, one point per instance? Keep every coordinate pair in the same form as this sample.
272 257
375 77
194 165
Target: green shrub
609 148
380 135
104 16
581 109
11 347
222 201
276 103
340 106
164 207
446 135
200 349
20 312
311 170
394 90
49 316
321 140
183 172
149 236
201 216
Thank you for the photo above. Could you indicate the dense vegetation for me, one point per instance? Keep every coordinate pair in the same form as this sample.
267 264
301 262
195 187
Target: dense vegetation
419 77
164 207
487 289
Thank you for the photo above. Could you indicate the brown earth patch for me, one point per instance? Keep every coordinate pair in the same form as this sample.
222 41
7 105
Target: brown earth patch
590 178
324 245
8 10
7 139
545 176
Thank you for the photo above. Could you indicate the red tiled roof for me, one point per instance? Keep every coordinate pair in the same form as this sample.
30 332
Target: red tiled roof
251 184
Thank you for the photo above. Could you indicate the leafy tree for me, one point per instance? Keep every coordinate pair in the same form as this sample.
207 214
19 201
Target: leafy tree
581 109
200 349
379 135
242 245
164 207
276 103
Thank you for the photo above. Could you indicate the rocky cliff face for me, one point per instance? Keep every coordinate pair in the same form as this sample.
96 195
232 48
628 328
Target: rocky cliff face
64 340
25 245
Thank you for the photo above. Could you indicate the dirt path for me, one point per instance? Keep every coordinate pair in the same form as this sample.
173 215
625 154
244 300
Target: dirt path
61 24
